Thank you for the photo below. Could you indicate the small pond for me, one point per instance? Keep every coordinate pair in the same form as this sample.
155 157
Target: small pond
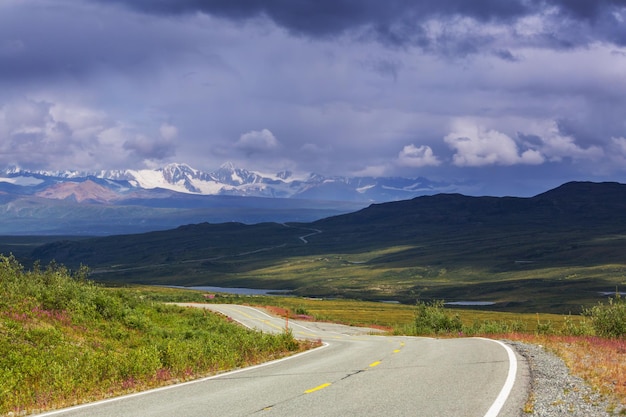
612 293
470 303
239 291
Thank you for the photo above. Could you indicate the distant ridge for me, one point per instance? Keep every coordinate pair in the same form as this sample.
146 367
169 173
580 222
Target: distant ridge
591 208
230 180
570 203
554 251
133 201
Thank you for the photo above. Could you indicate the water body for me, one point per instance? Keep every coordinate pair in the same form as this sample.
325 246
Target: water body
238 291
471 303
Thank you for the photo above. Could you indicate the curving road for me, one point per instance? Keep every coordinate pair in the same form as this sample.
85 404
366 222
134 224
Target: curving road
353 374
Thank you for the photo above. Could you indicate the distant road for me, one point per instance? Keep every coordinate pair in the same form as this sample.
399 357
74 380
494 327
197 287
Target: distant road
353 374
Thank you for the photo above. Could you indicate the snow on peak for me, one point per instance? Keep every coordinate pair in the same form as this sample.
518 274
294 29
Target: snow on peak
24 181
228 165
229 180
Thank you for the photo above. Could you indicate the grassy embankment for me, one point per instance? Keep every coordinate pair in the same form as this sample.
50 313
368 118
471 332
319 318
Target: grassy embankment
65 340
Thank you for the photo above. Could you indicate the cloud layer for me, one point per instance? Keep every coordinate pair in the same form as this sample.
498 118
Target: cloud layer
530 88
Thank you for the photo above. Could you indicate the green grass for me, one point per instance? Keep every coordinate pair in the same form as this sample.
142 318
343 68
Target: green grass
520 276
395 318
65 340
520 271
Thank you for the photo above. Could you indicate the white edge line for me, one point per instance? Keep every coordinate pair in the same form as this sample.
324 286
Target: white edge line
200 305
242 323
265 314
182 384
497 405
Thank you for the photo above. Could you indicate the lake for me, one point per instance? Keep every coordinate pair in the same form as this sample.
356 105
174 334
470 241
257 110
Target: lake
239 291
470 303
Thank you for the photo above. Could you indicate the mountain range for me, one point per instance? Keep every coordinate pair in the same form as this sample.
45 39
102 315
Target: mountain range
114 185
129 201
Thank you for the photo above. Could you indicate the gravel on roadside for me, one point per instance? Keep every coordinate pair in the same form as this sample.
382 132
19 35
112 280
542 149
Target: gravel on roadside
555 392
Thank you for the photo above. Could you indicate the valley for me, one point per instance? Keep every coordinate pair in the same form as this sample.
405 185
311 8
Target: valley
554 253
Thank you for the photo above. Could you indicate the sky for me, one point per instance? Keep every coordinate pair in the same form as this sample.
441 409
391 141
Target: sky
509 97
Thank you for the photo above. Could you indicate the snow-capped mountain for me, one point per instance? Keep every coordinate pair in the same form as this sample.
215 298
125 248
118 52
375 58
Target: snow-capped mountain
130 201
227 180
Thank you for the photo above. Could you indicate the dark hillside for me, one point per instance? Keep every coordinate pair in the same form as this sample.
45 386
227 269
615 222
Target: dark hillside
593 203
572 201
589 207
200 241
568 241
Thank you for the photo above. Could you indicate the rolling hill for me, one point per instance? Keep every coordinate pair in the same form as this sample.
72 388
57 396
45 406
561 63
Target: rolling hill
552 252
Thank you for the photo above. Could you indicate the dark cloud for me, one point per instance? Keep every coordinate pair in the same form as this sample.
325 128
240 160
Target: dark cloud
505 54
395 22
587 9
326 16
410 87
75 42
150 148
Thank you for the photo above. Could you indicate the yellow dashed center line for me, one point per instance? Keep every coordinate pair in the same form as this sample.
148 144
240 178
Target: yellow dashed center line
373 364
319 387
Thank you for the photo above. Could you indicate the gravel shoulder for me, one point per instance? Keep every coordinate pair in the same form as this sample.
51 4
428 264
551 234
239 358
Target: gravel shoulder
555 392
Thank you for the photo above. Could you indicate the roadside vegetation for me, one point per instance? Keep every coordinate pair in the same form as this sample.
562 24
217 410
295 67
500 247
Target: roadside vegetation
66 340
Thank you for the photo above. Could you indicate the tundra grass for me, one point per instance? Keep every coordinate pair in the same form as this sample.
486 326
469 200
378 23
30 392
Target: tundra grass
65 340
521 288
521 269
394 317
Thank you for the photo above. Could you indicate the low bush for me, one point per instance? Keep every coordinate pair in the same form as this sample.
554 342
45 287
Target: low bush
65 339
431 317
608 320
580 327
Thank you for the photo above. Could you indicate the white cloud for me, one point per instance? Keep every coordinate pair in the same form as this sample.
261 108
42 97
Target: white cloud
618 152
168 131
620 144
476 146
257 141
417 156
557 146
59 135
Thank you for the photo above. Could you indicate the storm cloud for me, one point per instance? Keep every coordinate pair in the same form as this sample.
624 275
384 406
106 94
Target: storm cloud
449 89
400 22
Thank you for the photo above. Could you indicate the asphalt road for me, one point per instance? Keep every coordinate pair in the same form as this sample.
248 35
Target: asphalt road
353 374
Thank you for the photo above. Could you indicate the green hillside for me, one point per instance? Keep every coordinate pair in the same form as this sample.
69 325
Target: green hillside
65 340
553 252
